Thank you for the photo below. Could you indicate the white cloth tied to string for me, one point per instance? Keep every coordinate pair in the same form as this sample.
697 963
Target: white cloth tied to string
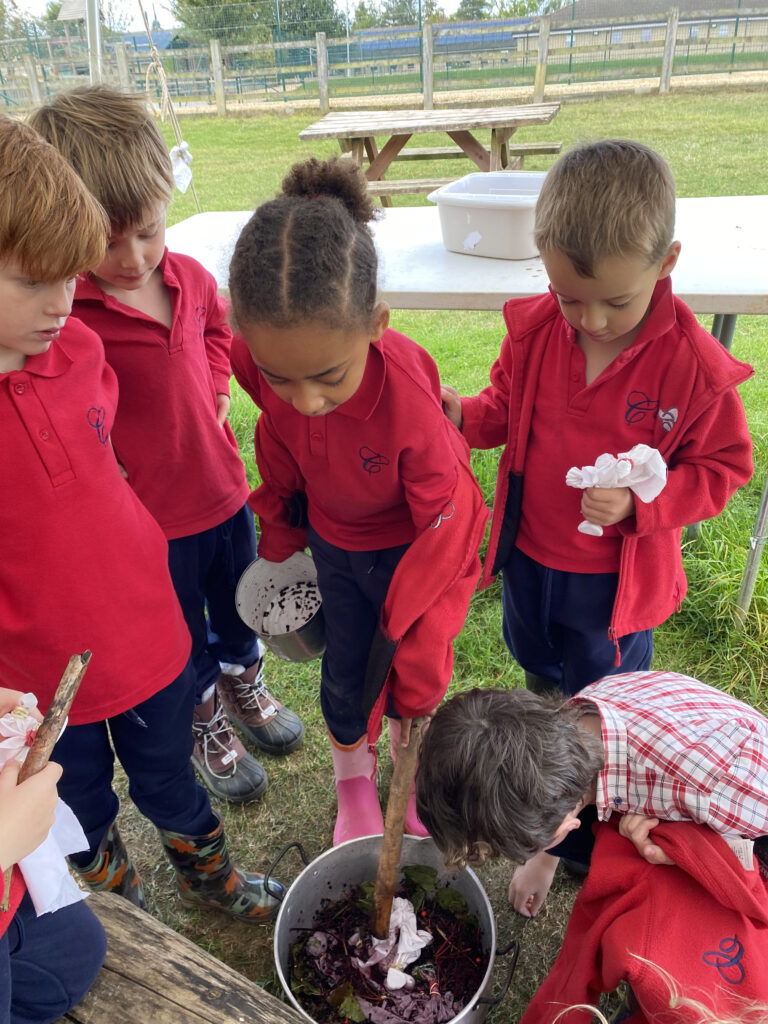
47 877
181 158
401 947
642 469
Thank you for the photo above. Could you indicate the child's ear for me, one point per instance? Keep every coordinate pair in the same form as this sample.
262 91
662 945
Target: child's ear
379 320
669 261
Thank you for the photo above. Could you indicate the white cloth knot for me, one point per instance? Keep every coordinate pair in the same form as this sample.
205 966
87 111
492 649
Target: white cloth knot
181 158
642 469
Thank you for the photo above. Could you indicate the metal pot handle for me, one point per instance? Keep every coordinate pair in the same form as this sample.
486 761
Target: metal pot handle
276 894
514 949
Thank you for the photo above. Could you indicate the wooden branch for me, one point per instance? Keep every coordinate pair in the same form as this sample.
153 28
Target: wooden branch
392 840
47 733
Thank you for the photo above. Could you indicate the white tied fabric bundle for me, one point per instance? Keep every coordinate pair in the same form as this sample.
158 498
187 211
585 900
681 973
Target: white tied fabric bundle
642 469
45 871
402 946
181 158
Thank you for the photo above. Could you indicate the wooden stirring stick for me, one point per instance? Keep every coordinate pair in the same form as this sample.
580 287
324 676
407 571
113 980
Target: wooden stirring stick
392 840
48 732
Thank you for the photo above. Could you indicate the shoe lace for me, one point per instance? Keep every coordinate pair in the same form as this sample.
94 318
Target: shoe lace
254 695
216 734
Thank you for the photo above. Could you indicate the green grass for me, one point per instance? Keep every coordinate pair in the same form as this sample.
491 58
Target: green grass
714 142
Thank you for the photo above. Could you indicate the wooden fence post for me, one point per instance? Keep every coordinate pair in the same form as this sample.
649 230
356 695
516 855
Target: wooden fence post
123 74
540 76
427 65
30 69
322 72
669 49
218 78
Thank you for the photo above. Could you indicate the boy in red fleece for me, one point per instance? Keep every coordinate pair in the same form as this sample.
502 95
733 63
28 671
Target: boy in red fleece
47 963
166 336
507 772
607 361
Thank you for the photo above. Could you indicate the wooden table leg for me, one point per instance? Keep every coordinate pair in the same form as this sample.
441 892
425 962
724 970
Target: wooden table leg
499 151
373 151
476 152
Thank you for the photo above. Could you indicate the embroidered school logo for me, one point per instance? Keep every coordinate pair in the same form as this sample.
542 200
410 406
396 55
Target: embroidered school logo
726 960
200 312
96 418
639 405
668 418
372 461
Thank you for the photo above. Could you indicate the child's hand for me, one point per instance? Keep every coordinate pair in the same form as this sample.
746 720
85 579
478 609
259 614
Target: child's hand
637 828
451 404
9 699
27 811
531 883
222 408
605 506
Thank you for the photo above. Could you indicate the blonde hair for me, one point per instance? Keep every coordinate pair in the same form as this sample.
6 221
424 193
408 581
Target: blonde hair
114 144
748 1012
607 198
49 223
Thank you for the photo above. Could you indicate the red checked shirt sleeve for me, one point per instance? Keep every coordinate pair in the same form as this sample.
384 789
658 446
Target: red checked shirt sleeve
680 750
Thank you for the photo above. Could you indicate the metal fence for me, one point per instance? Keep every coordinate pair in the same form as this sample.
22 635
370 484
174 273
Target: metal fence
240 53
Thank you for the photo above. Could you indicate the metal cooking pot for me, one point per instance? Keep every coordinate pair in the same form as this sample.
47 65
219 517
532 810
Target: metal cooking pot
342 867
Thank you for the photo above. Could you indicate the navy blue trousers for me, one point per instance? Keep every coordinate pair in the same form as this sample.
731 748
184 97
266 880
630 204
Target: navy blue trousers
353 586
556 625
48 963
153 743
205 568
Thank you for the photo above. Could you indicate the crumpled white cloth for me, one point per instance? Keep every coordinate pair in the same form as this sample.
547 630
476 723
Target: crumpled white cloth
642 469
405 940
47 877
181 158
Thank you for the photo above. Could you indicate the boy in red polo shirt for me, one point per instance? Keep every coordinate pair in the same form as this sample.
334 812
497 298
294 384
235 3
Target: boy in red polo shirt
83 565
610 360
167 338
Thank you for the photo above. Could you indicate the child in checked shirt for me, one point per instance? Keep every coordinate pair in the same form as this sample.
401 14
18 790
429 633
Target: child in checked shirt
507 772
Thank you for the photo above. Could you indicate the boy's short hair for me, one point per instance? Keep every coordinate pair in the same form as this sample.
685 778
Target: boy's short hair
609 198
498 772
114 144
49 223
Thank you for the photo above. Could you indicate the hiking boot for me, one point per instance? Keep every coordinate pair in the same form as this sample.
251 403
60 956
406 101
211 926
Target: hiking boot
224 765
256 713
112 870
206 877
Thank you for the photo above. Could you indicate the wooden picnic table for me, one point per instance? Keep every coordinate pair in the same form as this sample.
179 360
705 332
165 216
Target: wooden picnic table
357 131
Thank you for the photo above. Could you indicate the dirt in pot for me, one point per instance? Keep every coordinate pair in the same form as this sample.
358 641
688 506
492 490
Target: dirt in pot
335 979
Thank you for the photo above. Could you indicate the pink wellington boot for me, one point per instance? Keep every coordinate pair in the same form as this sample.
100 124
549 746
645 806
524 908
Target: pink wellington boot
359 812
413 826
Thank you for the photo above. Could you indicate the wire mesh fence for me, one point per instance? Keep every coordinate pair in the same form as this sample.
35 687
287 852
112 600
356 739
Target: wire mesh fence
268 51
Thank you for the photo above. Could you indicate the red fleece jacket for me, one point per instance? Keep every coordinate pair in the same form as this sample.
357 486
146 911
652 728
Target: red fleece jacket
704 921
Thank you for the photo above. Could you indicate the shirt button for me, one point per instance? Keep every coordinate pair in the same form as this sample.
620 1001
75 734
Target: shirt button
44 435
317 437
19 389
575 378
617 801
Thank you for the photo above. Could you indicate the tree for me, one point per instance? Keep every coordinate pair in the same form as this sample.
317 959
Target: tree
366 16
399 12
520 8
473 10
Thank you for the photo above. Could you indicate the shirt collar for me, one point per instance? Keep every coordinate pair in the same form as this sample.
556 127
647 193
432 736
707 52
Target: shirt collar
87 288
53 363
612 792
362 404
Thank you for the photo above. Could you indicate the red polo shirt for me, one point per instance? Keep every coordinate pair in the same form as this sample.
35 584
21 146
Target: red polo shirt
83 565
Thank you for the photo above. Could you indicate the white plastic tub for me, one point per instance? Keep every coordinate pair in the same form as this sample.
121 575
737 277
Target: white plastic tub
490 214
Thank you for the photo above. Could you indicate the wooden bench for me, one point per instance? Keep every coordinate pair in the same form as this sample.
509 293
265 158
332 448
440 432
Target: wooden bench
518 150
406 186
153 975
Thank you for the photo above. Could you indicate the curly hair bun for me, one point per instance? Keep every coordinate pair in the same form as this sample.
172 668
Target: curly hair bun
338 178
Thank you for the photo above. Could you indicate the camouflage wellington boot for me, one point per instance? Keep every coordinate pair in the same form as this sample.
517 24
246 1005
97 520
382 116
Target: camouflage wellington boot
207 878
112 870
